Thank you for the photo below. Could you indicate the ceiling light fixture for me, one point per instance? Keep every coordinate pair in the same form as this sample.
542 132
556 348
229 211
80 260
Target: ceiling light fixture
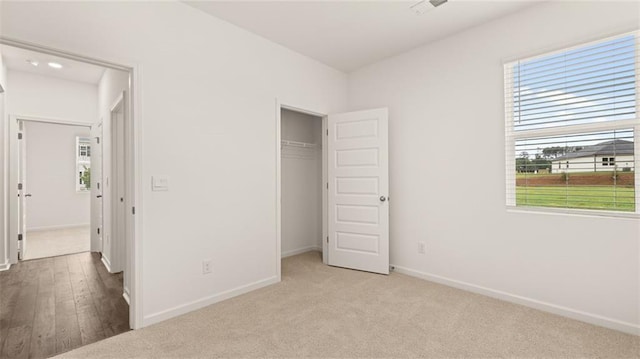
424 6
33 62
54 65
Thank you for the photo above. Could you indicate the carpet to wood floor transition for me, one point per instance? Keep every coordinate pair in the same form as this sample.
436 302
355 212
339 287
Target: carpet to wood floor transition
321 311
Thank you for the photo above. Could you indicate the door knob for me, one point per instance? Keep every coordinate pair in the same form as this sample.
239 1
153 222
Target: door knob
27 195
383 198
99 196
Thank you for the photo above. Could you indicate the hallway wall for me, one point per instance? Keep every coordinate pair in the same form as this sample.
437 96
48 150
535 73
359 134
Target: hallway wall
51 148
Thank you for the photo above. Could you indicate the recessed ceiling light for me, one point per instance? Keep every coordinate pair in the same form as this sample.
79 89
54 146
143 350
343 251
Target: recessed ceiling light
54 65
33 62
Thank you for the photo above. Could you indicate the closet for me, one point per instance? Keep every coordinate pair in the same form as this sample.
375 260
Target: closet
301 182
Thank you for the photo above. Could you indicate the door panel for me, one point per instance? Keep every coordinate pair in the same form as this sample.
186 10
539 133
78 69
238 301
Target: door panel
358 187
24 193
118 190
96 188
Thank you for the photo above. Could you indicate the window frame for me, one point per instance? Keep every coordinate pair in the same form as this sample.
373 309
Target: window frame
82 141
511 135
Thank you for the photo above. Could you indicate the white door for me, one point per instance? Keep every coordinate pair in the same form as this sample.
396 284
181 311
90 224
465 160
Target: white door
358 176
23 192
118 188
96 188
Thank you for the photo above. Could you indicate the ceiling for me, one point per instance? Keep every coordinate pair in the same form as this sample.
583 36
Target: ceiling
16 59
347 35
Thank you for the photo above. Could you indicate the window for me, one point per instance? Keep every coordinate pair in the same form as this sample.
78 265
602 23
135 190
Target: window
84 150
575 107
83 164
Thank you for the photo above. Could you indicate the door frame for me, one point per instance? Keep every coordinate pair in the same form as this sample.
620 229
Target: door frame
133 162
16 160
279 107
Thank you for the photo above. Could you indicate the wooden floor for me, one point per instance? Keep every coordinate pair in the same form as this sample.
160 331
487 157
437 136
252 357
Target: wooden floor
51 305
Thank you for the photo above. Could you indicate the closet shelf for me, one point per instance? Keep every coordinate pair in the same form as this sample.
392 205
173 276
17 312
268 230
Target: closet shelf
298 144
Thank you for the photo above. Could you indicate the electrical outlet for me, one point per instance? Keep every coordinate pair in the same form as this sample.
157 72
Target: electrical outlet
422 248
207 266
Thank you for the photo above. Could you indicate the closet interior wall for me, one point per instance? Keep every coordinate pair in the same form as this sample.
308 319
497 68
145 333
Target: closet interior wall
301 182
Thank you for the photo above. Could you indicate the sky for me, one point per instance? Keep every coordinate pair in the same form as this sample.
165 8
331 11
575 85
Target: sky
590 84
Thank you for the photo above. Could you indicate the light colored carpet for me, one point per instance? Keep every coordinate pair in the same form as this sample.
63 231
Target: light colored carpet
57 242
321 311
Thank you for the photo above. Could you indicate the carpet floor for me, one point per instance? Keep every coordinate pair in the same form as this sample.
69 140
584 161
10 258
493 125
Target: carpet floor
57 242
322 311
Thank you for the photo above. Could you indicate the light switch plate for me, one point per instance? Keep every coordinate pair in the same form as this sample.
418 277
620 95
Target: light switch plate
159 183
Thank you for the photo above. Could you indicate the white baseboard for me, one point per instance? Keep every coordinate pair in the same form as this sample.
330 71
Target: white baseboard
62 226
106 263
590 318
300 251
5 266
206 301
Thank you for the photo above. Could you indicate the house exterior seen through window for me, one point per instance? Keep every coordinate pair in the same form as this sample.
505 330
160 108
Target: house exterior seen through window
572 127
83 164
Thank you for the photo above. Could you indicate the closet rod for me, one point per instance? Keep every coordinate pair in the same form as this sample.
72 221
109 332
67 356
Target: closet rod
298 144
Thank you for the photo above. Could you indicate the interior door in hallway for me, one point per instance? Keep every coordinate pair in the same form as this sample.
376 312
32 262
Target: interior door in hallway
358 180
96 188
23 192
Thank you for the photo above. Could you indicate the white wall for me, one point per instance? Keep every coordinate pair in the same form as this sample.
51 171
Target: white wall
301 184
52 98
51 178
446 102
207 105
3 234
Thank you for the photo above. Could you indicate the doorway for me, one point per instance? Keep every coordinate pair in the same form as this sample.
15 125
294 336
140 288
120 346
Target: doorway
129 170
354 187
55 167
301 182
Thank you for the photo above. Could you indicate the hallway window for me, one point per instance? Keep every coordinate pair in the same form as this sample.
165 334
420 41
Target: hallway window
83 164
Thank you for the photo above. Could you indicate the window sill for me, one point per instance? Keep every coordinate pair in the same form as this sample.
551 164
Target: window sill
573 212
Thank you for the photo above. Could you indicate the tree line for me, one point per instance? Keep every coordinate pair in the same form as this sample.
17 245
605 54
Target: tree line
542 160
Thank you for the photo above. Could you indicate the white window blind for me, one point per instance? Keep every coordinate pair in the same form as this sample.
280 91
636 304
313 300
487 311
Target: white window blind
572 127
591 84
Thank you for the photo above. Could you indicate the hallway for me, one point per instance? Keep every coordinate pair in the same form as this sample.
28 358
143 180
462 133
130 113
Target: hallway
52 305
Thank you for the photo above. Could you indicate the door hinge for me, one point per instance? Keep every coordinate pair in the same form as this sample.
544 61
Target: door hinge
19 135
20 247
327 239
98 140
98 230
133 210
327 185
19 186
327 132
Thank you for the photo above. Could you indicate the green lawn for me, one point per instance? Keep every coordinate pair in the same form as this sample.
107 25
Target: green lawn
584 197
